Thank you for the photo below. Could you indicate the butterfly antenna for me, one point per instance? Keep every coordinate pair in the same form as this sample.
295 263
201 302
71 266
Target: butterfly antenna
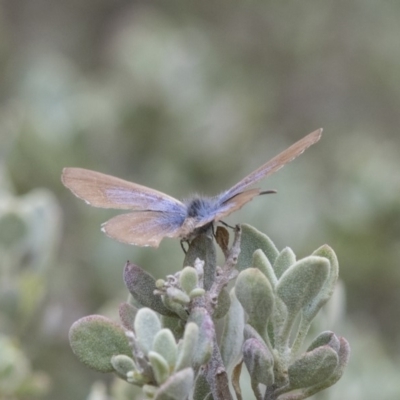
272 191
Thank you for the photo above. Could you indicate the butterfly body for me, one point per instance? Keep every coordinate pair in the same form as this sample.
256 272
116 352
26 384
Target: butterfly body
156 215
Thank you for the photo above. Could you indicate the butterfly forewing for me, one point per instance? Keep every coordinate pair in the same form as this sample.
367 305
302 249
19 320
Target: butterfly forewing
274 165
106 191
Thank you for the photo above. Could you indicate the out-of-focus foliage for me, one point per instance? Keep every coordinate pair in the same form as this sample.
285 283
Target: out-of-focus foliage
29 237
189 97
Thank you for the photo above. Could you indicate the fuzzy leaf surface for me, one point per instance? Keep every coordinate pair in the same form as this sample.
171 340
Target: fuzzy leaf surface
95 340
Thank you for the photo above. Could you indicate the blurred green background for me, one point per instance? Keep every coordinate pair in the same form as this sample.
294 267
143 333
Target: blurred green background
191 96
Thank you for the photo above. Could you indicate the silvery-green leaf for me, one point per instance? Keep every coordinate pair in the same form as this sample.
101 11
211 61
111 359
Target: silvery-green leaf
141 285
285 259
255 294
201 387
249 333
127 314
344 353
204 346
232 335
299 284
165 345
96 339
187 346
329 286
160 367
174 324
203 248
259 361
123 364
313 367
223 304
147 325
251 240
177 386
325 338
261 262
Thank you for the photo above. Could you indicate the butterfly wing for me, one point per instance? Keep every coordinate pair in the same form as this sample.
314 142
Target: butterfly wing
272 165
145 228
233 204
105 191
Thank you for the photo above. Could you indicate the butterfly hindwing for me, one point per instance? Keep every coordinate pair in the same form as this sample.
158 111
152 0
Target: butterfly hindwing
146 228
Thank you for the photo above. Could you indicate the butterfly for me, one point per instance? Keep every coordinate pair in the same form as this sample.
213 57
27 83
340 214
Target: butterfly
155 214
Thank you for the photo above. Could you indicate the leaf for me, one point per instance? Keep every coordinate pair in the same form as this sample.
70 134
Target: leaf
252 240
96 339
255 294
165 345
301 283
177 386
141 285
147 325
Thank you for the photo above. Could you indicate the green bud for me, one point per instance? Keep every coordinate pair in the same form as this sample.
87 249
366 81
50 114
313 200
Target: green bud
160 283
188 279
178 296
137 378
197 292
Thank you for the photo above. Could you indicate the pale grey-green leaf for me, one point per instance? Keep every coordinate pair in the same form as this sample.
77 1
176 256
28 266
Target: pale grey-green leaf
147 325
